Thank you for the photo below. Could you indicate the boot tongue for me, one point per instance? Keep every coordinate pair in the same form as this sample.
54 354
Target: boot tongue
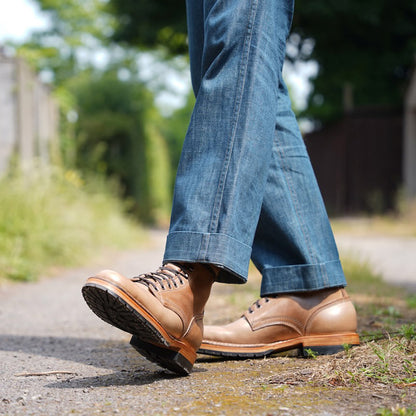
184 268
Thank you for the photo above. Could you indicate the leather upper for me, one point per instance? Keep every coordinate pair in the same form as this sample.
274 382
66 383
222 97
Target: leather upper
178 306
289 316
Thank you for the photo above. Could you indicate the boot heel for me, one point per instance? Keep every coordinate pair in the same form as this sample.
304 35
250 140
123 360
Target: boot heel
321 350
164 357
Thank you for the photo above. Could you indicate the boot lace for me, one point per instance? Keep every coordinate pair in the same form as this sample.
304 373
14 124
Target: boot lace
164 277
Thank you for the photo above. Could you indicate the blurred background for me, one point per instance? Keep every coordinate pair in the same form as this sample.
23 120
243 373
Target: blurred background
95 99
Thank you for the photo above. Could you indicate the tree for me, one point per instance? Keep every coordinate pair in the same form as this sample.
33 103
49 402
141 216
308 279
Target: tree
113 125
151 23
110 129
174 129
367 47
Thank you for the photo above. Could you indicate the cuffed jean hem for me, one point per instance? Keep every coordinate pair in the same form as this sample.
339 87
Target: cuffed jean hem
302 278
218 249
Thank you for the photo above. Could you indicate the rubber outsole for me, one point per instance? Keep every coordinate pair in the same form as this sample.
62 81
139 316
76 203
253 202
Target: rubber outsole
298 351
148 340
302 348
166 358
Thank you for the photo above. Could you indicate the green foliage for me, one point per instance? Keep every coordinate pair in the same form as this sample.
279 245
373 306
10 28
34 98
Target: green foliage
309 353
396 411
411 302
108 122
79 28
367 46
72 19
174 130
388 362
159 170
110 129
385 369
151 23
56 217
117 135
408 331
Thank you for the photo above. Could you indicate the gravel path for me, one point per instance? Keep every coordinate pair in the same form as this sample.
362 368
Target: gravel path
57 358
47 327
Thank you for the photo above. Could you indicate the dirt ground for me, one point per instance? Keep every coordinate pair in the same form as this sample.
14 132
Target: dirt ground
57 358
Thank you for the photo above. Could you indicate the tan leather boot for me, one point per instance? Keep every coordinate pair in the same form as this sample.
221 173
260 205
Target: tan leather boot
163 310
322 321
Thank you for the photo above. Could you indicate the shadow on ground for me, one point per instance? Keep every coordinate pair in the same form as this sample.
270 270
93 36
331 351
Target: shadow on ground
129 367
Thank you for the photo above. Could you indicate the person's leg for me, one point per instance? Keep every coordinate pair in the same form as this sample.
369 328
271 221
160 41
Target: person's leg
163 310
303 304
226 156
294 247
245 174
220 182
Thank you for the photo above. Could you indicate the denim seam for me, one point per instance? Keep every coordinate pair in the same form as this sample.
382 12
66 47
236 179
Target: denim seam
236 114
211 234
301 223
293 266
311 250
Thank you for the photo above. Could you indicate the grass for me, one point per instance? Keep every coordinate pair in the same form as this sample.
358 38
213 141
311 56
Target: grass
381 372
396 411
387 331
57 218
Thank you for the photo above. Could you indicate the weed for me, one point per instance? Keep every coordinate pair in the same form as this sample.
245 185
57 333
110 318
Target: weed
55 217
393 364
347 349
390 311
310 353
411 302
368 336
408 331
396 411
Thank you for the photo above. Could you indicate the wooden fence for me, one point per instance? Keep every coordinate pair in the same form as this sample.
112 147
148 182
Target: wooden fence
358 161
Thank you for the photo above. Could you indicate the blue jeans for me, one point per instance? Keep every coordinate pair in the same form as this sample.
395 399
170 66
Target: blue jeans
245 187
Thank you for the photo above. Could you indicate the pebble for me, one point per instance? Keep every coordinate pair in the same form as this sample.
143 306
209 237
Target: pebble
21 400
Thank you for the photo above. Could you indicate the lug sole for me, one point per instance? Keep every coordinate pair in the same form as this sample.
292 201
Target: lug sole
164 357
320 344
114 306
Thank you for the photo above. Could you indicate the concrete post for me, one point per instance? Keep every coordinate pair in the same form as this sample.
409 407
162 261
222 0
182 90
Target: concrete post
28 117
8 124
